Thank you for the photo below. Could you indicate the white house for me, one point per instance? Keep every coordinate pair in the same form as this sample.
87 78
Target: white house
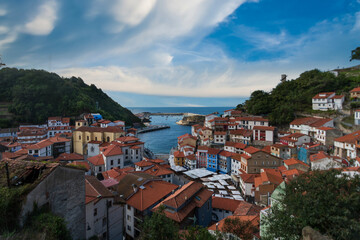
250 122
357 117
295 139
247 184
345 146
323 161
104 218
263 134
220 137
309 125
327 101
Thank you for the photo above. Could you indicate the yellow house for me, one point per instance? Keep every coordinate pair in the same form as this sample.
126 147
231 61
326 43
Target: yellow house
179 158
83 135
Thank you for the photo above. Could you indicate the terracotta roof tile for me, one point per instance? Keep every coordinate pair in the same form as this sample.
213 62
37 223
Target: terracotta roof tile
96 160
225 203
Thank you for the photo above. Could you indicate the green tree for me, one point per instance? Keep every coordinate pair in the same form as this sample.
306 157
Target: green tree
355 54
159 227
327 201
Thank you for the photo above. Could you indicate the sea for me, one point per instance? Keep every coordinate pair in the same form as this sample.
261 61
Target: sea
161 141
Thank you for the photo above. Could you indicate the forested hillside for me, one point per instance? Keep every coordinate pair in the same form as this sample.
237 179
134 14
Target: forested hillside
34 95
289 97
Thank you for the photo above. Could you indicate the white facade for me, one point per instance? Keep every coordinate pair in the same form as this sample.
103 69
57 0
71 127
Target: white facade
357 117
98 219
42 152
93 149
219 138
308 130
116 161
327 101
324 164
220 214
129 221
235 166
344 150
247 189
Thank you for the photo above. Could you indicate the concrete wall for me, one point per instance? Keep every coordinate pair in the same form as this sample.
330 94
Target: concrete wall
64 191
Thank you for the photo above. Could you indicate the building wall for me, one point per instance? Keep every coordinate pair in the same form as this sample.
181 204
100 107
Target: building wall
220 214
261 160
203 214
64 191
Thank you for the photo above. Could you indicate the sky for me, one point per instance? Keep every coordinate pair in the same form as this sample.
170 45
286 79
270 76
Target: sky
150 53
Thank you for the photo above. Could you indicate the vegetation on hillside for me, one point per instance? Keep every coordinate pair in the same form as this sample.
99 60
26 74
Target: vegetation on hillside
289 97
35 95
327 201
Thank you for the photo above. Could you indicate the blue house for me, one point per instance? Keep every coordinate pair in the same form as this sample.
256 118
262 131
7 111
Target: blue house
225 162
213 159
306 150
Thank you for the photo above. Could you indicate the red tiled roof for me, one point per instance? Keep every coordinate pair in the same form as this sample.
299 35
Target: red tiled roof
127 139
152 192
158 170
310 121
42 144
112 150
180 196
259 119
240 145
179 154
229 144
213 151
226 153
269 175
325 128
203 148
112 129
266 149
95 190
318 156
293 161
225 203
248 177
357 89
264 128
242 132
95 142
251 150
191 157
96 160
144 163
349 138
323 95
338 97
69 157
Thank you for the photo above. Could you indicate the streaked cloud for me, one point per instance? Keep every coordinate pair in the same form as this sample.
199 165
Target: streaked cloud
43 22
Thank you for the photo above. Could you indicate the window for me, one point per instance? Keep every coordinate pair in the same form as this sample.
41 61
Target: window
112 162
95 138
87 138
79 137
108 139
95 211
128 207
100 169
118 161
128 228
104 222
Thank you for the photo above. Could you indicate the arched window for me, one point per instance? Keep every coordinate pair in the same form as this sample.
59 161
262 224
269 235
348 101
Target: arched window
79 137
108 139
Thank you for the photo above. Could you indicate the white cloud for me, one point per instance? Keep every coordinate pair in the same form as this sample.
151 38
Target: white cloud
3 11
357 22
43 22
3 29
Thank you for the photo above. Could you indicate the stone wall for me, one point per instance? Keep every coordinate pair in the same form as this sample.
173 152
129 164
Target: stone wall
64 191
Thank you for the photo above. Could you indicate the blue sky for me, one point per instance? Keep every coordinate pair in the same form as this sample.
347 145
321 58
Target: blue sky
179 53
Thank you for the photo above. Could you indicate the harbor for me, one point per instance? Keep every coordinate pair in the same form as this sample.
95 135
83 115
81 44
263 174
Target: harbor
151 128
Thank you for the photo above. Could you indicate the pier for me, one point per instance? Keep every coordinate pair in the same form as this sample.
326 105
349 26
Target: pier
152 128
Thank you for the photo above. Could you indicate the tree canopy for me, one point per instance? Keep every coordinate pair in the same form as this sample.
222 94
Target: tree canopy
35 95
355 54
283 102
327 201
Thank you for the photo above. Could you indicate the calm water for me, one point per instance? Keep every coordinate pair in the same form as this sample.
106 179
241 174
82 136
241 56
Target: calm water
161 142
